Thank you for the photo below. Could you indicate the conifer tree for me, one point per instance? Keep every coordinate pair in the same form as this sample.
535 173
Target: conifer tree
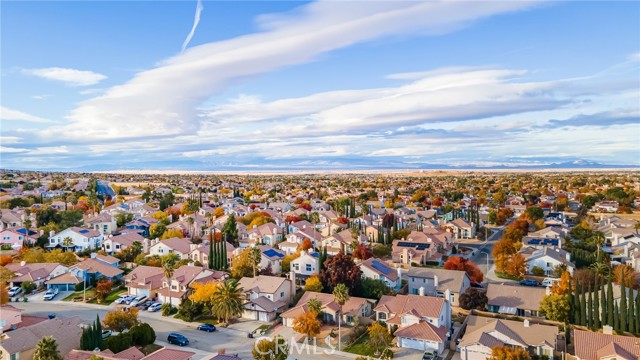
210 260
623 307
583 307
596 306
224 252
616 318
631 313
603 307
590 309
637 317
610 304
572 305
576 306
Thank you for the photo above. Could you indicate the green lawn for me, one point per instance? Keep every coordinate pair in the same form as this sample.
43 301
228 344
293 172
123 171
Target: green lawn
113 296
360 347
507 276
90 293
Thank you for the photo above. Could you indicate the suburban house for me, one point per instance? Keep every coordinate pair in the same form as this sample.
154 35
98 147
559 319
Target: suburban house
462 229
141 225
266 296
483 334
131 353
548 258
449 284
605 346
10 317
144 280
423 321
354 307
377 269
81 239
271 258
17 237
417 248
306 264
180 246
97 267
21 343
103 223
114 244
514 300
200 252
268 234
37 273
339 242
288 247
64 282
177 288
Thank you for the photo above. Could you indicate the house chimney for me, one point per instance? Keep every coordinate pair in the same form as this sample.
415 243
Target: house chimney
52 233
447 295
23 263
568 256
526 323
193 247
399 270
145 246
607 330
435 281
191 263
292 278
421 291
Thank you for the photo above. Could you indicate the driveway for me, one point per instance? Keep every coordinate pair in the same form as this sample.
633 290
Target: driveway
39 297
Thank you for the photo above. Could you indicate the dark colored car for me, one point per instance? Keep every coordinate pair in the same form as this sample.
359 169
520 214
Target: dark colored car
529 283
177 339
207 327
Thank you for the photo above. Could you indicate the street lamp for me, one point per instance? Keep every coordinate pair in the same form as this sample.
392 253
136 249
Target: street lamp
486 253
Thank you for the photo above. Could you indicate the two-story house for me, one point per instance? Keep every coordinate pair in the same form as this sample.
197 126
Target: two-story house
423 322
81 239
549 258
17 237
267 234
271 258
330 310
37 273
266 296
114 244
438 282
377 269
103 223
144 280
306 264
177 288
180 246
97 267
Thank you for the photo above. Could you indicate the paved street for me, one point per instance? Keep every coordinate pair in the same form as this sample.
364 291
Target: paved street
483 257
203 343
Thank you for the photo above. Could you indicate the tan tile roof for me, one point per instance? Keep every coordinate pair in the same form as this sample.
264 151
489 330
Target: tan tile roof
144 277
421 306
519 297
351 307
93 265
533 335
447 279
178 244
66 332
170 354
262 283
593 346
66 278
423 331
107 259
391 274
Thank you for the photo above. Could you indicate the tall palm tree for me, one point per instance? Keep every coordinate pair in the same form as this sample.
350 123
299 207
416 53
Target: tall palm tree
192 229
47 349
598 240
341 296
228 300
168 267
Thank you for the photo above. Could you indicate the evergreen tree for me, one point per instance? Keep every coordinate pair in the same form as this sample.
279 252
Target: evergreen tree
616 318
610 304
572 305
631 313
583 308
224 254
576 306
210 260
637 317
603 307
623 307
596 306
590 309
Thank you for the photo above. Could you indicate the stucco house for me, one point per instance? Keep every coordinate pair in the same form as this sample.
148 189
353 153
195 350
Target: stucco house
266 296
81 239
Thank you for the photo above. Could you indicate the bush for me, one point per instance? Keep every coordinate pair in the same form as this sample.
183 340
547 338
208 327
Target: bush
537 271
28 287
142 334
188 310
168 310
118 343
79 286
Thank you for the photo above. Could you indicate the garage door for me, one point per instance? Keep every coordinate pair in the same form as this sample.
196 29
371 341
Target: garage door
412 343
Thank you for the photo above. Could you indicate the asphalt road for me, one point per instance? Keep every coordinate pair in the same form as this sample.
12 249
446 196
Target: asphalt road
480 257
203 343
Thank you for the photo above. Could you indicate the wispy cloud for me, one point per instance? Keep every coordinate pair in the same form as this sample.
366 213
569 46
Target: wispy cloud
71 77
164 100
196 20
16 115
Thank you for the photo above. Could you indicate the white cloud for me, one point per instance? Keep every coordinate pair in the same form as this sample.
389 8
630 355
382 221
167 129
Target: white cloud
196 20
6 149
72 77
16 115
163 101
49 150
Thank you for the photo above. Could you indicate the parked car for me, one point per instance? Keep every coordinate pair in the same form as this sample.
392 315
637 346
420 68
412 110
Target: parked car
123 298
106 333
13 291
429 355
50 294
529 283
154 307
177 339
138 300
51 316
145 305
207 327
547 282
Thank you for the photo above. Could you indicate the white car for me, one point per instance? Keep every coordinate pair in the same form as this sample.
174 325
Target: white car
547 282
124 299
139 300
155 307
50 294
14 291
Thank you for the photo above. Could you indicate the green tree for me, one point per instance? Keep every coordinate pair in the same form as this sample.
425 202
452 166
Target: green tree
631 313
583 308
230 230
275 349
379 337
168 267
623 308
341 296
555 307
227 300
142 334
47 349
188 309
610 303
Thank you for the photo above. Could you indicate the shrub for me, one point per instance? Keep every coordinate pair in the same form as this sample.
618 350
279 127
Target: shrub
142 334
168 310
79 286
118 343
28 287
537 271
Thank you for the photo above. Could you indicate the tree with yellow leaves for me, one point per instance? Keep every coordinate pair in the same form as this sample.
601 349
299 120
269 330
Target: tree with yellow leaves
203 293
516 266
562 287
509 353
307 323
171 233
218 212
120 319
313 283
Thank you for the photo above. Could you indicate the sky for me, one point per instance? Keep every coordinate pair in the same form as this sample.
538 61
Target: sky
243 85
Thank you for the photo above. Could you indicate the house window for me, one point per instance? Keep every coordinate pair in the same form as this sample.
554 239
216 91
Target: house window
548 264
308 267
382 316
282 294
15 356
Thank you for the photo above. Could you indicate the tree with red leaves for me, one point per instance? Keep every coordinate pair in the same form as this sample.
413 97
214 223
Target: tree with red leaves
362 252
305 206
292 219
340 269
342 220
388 221
466 265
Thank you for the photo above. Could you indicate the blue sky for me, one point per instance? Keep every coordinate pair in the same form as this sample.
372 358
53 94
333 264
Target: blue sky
312 85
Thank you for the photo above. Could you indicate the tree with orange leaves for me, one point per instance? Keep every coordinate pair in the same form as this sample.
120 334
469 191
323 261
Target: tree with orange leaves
562 287
466 265
5 259
307 323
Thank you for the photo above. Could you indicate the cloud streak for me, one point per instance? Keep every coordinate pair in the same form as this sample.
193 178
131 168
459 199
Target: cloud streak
72 77
7 114
196 20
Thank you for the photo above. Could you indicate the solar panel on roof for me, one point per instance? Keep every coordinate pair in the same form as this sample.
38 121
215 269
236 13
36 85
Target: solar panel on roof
84 231
381 267
271 253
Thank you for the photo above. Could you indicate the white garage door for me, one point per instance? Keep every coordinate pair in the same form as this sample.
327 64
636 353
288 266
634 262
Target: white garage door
412 343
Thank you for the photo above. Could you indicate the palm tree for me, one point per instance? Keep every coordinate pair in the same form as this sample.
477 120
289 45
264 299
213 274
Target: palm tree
67 242
341 296
47 349
168 267
191 227
598 241
228 300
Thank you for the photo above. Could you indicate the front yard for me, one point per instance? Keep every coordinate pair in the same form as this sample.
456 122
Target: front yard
91 294
361 347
